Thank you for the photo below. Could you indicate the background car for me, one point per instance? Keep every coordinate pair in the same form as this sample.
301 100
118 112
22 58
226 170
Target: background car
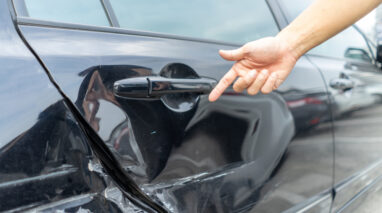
104 109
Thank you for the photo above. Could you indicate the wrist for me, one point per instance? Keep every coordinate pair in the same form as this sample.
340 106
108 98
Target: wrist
291 43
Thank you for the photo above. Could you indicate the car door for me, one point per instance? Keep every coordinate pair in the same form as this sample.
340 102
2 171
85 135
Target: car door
46 163
354 83
144 94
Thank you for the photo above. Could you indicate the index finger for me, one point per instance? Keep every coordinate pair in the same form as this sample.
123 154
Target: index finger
223 84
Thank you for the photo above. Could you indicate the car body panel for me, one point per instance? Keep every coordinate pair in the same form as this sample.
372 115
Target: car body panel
220 149
357 126
242 153
46 163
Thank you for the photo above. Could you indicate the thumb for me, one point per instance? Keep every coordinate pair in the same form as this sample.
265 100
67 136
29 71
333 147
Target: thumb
232 55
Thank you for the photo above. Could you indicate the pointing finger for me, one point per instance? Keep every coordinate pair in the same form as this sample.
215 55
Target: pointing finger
223 84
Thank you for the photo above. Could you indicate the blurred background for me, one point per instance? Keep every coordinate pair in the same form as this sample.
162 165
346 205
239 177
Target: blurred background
372 25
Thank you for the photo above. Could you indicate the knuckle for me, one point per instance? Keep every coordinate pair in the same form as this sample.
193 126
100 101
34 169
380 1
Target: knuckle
248 80
236 88
245 49
261 77
274 76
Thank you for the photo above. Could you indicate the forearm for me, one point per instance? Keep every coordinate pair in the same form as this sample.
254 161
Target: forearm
322 20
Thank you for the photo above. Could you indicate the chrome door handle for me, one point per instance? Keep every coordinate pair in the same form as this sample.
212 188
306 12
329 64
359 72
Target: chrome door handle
341 84
156 86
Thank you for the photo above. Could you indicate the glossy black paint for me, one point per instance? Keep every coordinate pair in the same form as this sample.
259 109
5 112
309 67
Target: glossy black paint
46 161
356 111
265 153
178 149
357 122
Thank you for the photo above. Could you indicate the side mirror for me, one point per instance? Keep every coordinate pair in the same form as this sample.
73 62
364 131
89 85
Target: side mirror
358 54
379 54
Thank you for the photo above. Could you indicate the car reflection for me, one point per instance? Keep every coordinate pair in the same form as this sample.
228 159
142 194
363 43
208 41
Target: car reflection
346 101
308 109
48 162
221 150
226 157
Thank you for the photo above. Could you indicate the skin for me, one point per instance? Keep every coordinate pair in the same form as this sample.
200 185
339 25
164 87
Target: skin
262 65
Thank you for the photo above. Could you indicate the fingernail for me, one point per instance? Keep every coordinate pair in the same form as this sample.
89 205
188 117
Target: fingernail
264 71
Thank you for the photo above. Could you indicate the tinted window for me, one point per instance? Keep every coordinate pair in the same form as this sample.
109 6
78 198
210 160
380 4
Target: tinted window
293 8
209 19
90 12
347 44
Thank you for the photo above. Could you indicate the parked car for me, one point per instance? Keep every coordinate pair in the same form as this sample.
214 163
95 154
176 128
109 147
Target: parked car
104 109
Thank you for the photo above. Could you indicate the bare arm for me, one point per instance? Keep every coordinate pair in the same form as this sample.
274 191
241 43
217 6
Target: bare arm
322 20
264 64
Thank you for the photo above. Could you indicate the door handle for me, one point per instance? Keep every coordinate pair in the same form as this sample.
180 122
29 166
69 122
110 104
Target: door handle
156 86
341 84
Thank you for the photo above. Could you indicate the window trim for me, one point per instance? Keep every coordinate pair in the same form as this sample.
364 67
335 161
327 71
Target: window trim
21 10
275 13
373 57
110 13
338 58
26 21
22 19
189 38
278 13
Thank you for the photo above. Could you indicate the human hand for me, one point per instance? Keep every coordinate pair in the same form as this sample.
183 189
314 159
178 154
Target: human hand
261 65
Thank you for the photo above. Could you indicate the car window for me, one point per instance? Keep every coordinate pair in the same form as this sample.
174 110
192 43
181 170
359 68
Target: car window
89 12
292 8
206 19
347 44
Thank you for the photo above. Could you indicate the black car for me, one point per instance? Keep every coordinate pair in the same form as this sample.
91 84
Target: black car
104 109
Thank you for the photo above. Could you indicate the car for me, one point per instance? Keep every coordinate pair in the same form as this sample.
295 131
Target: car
104 108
